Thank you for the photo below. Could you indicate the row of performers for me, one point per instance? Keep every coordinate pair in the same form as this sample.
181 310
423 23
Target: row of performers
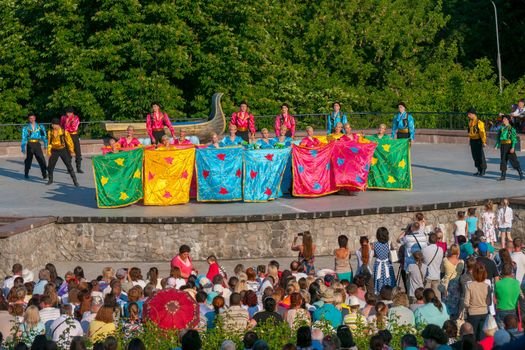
60 143
402 123
343 132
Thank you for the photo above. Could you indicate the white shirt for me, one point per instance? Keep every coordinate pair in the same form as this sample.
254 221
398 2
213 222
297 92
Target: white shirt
299 275
411 240
433 260
139 283
518 112
49 314
461 226
63 329
8 284
519 260
505 216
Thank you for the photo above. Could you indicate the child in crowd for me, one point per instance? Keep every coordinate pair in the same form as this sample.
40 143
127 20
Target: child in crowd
417 272
472 222
460 226
488 219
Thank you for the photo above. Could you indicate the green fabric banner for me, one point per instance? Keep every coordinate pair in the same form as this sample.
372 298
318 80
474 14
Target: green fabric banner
390 168
118 178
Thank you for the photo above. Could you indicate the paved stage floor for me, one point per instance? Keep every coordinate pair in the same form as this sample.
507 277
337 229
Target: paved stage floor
441 173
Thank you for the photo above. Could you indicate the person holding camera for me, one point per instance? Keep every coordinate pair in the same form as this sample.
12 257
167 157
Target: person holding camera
32 134
306 251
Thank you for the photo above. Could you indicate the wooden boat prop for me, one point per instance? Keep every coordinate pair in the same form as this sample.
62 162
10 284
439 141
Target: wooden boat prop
216 123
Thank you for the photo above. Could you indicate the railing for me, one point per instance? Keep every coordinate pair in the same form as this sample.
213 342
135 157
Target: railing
358 121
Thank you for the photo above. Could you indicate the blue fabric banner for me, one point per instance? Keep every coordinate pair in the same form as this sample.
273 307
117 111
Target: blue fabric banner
219 174
263 173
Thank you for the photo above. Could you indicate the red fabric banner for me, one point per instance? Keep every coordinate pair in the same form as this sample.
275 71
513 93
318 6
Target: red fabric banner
351 164
312 174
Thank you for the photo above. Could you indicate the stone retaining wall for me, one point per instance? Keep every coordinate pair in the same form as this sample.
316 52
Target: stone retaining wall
98 242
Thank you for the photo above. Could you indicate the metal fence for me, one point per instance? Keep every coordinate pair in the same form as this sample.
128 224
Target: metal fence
358 120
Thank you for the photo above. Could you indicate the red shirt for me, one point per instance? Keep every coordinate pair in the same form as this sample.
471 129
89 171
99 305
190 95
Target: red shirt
156 122
244 121
442 245
185 267
352 137
306 142
213 271
487 343
286 120
70 124
184 142
124 142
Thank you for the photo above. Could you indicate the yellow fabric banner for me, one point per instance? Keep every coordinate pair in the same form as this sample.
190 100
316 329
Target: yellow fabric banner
167 176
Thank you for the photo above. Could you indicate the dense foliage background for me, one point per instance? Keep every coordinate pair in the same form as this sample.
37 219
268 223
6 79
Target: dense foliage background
111 58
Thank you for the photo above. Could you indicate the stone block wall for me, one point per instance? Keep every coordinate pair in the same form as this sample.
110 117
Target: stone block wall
32 248
98 242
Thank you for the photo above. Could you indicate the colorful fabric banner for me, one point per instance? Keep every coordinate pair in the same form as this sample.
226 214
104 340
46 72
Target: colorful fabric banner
286 184
263 173
168 176
390 167
219 174
118 178
312 174
351 164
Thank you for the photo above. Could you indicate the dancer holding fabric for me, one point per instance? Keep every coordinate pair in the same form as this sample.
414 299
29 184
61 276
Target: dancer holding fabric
129 141
310 141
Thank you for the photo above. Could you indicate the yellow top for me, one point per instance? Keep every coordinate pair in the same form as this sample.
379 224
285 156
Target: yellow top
54 141
99 330
476 130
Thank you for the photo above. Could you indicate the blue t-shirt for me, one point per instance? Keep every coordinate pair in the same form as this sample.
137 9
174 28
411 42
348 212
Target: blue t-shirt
472 224
330 313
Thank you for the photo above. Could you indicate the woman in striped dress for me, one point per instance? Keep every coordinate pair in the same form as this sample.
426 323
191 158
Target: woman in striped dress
383 268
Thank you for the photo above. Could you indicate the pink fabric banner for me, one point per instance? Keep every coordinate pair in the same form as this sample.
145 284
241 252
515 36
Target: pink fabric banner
351 164
312 174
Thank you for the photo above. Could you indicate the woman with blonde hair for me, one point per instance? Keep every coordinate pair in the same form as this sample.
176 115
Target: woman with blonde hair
310 141
107 275
129 141
241 286
306 251
399 312
264 142
215 142
32 326
450 287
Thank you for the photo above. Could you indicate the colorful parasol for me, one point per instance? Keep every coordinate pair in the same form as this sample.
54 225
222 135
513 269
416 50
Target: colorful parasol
171 309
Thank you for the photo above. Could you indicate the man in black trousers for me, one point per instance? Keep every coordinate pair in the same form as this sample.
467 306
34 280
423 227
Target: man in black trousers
478 140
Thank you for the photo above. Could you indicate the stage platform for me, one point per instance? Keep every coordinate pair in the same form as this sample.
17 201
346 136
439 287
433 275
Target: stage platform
442 179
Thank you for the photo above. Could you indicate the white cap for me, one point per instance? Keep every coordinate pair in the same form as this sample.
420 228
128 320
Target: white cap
353 301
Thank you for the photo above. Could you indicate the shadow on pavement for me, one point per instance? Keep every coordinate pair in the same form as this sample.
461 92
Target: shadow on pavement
35 166
457 172
67 193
